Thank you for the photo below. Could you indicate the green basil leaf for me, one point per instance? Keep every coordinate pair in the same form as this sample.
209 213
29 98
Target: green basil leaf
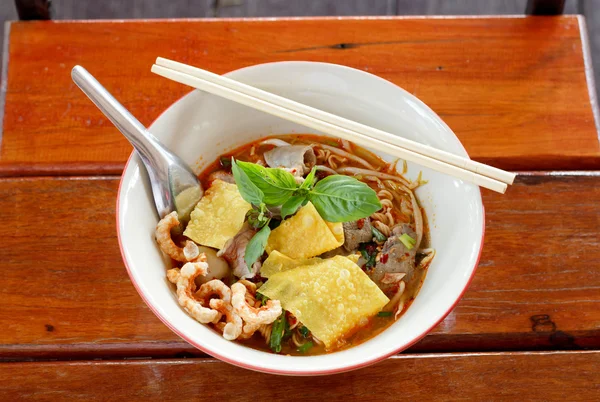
309 181
277 185
248 190
340 198
291 205
256 246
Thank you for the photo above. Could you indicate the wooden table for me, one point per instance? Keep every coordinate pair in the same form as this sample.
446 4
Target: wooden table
519 94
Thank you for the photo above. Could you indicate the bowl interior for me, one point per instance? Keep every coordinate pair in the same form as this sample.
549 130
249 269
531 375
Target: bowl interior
200 126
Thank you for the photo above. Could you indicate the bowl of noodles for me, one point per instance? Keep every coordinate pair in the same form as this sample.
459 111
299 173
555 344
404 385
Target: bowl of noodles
306 254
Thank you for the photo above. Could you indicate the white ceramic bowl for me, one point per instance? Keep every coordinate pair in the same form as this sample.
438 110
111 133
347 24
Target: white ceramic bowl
200 126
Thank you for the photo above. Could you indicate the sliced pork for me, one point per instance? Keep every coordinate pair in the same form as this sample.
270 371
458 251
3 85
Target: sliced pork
296 159
357 232
234 251
395 258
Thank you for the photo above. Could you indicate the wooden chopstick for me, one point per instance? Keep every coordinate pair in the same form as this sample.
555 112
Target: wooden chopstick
276 105
444 156
465 163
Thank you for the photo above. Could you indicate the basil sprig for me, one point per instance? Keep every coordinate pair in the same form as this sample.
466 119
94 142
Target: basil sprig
337 198
274 186
248 190
341 198
292 205
256 246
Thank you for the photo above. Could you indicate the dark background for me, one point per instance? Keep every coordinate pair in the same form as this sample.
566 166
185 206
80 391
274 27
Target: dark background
123 9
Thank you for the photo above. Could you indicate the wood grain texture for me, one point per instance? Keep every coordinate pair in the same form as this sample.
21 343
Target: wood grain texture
541 376
513 89
65 292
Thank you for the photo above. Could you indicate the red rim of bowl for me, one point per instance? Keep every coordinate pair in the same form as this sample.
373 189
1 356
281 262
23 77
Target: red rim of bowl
284 372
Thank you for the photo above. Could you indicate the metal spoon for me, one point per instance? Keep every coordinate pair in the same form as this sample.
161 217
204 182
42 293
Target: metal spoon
174 185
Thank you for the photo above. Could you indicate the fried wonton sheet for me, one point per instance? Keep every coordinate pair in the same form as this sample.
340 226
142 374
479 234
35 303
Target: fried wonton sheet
278 262
331 297
305 235
218 216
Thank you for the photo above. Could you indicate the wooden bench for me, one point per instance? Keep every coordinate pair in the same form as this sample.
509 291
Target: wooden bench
517 91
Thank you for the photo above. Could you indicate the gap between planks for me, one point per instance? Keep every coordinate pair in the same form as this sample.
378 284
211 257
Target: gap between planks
174 352
109 176
404 356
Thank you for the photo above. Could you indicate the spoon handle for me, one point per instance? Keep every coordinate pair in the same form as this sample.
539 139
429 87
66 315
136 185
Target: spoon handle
174 185
144 142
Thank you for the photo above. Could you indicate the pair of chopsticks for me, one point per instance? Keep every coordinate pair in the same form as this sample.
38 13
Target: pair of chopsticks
462 168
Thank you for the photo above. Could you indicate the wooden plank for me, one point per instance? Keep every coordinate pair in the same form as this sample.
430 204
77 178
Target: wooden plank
65 292
513 89
547 376
535 271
